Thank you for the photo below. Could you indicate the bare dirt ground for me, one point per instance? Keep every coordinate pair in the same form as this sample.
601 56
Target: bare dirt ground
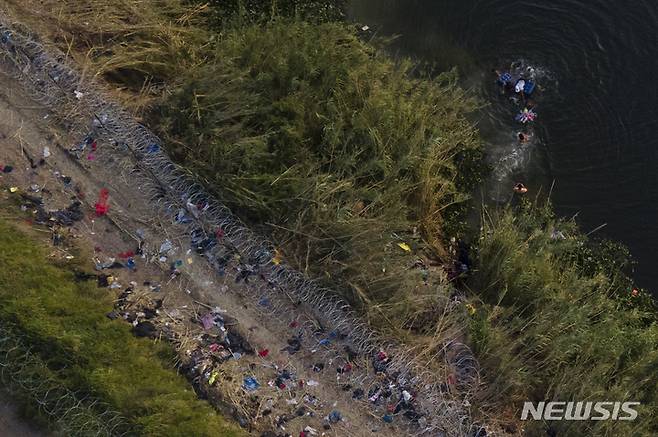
319 390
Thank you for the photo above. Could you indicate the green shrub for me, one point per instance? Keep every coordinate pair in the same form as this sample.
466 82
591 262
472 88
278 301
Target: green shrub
330 147
549 327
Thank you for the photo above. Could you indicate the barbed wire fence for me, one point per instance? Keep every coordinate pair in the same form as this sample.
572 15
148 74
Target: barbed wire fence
136 150
24 372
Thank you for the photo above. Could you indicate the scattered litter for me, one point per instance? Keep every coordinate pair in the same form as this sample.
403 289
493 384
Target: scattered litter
294 345
263 353
310 430
130 263
404 246
335 416
13 189
65 217
182 218
211 320
78 94
358 393
388 418
213 377
250 383
365 28
153 148
312 383
103 281
46 152
111 263
166 246
102 206
7 168
145 329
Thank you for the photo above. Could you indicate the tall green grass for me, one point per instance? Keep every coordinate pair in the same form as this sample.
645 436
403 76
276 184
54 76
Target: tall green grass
557 321
330 147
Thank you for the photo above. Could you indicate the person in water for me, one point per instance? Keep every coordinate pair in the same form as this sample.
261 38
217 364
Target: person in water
503 78
520 86
519 188
523 137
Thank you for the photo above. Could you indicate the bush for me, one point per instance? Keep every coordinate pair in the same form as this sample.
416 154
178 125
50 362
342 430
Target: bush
329 146
549 328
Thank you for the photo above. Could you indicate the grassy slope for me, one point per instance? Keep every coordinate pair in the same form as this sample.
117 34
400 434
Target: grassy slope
65 324
555 320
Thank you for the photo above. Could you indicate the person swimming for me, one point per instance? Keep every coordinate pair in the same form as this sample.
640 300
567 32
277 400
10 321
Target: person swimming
519 188
520 86
523 137
526 115
503 78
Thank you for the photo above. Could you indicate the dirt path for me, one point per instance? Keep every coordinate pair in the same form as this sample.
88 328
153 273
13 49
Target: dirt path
321 390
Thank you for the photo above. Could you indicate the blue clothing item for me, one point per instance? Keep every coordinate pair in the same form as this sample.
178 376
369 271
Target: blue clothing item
505 78
250 383
529 87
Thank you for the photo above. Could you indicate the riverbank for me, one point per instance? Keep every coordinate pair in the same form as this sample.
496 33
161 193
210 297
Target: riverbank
353 166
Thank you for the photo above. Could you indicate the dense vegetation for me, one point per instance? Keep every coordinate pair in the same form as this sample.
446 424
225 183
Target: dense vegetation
63 321
358 167
557 319
328 146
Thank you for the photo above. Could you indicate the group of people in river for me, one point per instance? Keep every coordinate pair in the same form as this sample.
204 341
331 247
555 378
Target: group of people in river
519 83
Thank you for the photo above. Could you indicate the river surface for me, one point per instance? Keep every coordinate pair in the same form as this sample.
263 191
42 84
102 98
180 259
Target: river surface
596 135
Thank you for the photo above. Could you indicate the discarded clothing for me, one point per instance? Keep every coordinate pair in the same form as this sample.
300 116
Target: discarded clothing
69 215
294 345
145 329
250 383
166 246
102 206
211 320
335 416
